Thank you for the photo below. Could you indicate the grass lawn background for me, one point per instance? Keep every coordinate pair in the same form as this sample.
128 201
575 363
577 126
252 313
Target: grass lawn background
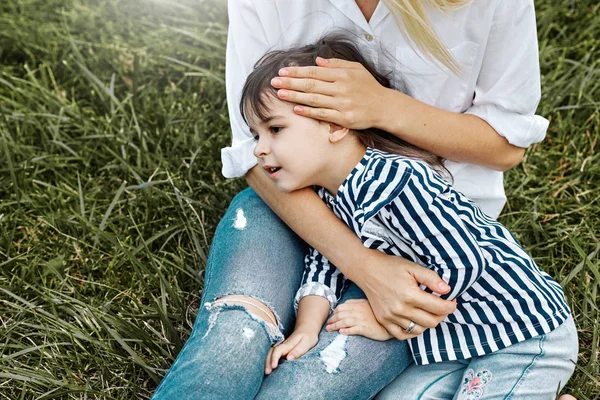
112 115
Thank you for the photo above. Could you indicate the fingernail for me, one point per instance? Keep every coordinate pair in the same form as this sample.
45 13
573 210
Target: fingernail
283 94
276 82
284 72
323 60
299 109
291 357
443 286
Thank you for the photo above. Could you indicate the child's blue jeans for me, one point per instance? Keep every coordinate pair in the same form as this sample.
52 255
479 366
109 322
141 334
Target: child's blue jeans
535 369
255 254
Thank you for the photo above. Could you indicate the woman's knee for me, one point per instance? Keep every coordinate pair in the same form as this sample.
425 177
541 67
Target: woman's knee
255 308
247 204
250 215
253 305
255 254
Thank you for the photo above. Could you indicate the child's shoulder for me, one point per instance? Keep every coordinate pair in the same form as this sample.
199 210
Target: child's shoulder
382 158
396 170
386 176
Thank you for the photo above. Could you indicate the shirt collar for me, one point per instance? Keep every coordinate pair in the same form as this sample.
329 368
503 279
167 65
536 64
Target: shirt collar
351 10
373 183
347 195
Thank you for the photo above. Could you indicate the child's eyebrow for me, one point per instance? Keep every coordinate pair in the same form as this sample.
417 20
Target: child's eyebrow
270 118
265 121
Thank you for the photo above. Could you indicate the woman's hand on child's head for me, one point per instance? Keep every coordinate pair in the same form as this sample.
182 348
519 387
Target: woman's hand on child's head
293 347
338 91
355 317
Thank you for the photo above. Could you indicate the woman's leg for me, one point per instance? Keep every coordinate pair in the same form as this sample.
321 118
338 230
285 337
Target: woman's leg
535 369
339 366
257 258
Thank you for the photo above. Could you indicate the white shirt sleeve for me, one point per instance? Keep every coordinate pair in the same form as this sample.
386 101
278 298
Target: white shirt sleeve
246 43
508 91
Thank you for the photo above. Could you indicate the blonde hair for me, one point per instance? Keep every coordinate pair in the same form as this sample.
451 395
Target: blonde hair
412 20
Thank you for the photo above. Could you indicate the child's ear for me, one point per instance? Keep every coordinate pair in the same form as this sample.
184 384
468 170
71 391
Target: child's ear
337 132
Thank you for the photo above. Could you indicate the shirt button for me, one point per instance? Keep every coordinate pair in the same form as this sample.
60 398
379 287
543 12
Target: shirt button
368 36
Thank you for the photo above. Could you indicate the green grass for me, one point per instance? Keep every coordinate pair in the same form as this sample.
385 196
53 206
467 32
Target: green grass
112 115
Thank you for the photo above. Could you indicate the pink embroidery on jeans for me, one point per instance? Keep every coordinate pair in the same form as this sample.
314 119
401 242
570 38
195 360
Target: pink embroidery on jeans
474 383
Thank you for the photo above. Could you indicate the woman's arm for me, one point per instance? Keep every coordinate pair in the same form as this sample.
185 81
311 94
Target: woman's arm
390 283
458 137
361 102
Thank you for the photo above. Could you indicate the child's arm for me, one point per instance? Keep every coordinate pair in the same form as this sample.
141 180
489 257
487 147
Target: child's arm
321 286
320 278
355 317
312 313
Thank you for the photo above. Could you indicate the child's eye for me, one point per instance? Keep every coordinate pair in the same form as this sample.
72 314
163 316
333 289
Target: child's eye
275 129
255 137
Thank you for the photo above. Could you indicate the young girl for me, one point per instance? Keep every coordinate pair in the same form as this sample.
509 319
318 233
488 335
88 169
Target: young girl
512 331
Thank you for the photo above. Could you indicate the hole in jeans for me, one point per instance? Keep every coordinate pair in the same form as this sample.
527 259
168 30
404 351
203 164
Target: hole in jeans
227 302
334 354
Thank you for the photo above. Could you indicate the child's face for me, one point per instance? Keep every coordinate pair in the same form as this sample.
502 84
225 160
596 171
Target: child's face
297 146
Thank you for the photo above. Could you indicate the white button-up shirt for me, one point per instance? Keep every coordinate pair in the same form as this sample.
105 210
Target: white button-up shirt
494 41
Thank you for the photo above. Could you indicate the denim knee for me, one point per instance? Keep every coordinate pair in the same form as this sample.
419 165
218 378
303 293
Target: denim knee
248 197
246 200
216 307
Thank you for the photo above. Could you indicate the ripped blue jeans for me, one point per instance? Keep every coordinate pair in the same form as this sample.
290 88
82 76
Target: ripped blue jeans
255 254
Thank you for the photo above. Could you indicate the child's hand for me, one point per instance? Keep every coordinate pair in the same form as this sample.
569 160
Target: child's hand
355 317
294 347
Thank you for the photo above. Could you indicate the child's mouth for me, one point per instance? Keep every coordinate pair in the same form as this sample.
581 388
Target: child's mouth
273 172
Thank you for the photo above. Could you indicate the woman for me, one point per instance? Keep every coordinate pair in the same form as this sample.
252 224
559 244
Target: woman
473 104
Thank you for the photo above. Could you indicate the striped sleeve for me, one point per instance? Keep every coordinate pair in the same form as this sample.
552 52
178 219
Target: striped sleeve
320 278
425 218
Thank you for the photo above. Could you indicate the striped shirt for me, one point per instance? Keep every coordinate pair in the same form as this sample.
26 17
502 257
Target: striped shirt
402 207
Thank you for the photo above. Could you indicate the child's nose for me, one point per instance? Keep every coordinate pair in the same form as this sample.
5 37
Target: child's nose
261 149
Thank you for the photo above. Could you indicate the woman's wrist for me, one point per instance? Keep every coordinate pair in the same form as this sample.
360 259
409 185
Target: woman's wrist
351 256
361 266
389 115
